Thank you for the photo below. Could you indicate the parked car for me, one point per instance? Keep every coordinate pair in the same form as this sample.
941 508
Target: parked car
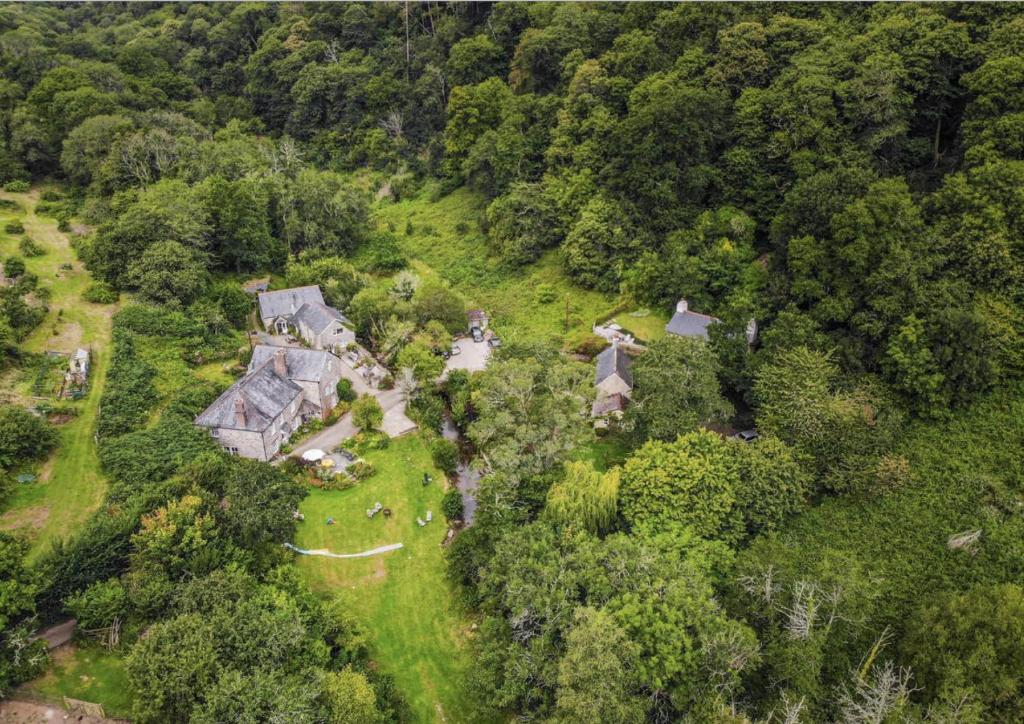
478 335
745 436
494 342
456 349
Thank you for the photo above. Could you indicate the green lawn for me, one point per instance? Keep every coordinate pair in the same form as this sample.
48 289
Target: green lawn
416 629
70 484
647 325
510 295
89 673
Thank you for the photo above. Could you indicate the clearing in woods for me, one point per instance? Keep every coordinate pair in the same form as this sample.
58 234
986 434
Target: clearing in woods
70 486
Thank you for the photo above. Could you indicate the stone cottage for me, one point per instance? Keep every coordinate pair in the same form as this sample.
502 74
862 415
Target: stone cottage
323 327
303 310
283 388
686 323
614 383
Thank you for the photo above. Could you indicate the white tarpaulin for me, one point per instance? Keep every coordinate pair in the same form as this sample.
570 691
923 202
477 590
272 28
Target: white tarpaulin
313 455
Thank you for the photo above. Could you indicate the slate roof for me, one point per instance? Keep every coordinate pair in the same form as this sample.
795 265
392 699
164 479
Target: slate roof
690 324
318 316
476 315
614 361
286 302
265 394
303 364
607 404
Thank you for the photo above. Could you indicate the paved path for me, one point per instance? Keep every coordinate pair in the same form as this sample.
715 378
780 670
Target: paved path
326 553
59 634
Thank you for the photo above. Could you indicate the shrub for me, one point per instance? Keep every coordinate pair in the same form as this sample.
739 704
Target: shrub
23 436
14 266
451 505
361 470
546 294
586 344
345 391
445 454
30 248
51 195
17 187
384 255
100 293
97 606
427 411
367 413
14 227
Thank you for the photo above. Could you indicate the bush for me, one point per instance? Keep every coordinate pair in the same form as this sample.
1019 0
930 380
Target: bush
546 294
345 391
30 248
384 255
17 187
361 470
14 266
23 436
367 413
427 411
586 344
445 454
97 606
51 195
451 505
14 227
100 293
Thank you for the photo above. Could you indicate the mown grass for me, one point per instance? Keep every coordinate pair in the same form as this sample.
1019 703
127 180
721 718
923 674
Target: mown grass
88 673
446 242
416 629
647 325
70 485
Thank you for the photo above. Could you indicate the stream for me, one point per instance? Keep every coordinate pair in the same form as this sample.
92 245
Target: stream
467 479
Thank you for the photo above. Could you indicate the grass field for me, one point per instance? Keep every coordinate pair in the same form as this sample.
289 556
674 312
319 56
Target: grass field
446 242
70 484
416 630
89 673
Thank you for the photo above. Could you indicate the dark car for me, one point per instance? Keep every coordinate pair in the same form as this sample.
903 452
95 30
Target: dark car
746 436
478 335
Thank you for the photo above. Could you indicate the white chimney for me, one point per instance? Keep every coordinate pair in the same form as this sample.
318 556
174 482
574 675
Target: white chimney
280 364
682 306
239 412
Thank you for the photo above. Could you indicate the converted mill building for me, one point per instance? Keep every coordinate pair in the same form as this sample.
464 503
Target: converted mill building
303 310
283 388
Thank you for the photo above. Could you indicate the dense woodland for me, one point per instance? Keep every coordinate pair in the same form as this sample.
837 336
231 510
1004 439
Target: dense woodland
851 176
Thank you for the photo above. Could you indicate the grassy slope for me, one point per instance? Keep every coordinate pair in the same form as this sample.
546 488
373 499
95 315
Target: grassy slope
88 673
508 294
71 485
415 628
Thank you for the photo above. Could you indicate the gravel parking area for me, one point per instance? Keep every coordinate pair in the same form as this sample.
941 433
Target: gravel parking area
472 355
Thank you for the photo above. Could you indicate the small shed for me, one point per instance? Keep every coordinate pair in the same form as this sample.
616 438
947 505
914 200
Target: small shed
78 367
255 286
477 318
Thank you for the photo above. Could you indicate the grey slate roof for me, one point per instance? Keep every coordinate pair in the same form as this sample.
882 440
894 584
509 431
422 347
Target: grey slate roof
318 316
690 324
614 361
286 302
303 364
265 396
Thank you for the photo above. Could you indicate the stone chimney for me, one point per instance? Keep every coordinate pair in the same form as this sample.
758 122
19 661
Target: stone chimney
280 363
239 412
682 306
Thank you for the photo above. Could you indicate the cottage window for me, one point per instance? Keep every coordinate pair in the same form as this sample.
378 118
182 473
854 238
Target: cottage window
215 432
231 450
